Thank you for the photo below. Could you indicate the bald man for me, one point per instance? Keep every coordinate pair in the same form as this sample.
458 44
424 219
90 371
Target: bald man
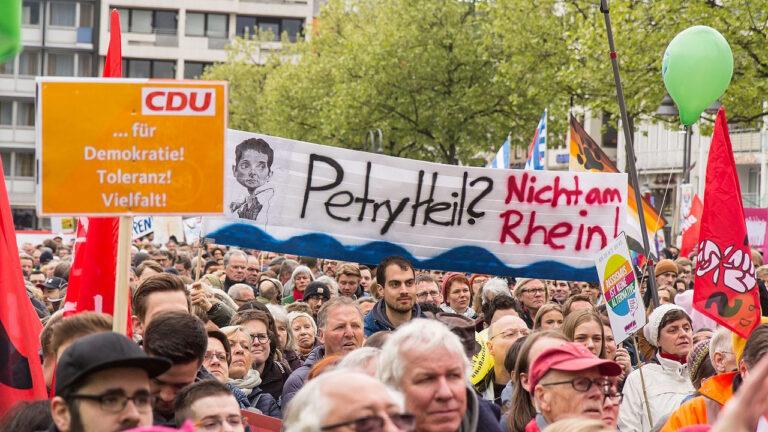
501 335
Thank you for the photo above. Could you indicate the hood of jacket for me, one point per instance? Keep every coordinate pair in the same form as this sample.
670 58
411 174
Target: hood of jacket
718 387
377 320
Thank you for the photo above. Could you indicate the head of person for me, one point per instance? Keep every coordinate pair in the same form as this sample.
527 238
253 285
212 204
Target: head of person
666 273
347 400
280 318
366 277
502 334
522 402
303 330
398 283
36 277
569 381
240 346
103 384
329 267
340 326
270 288
499 307
157 294
608 339
548 317
241 293
315 295
27 263
699 364
301 277
252 271
592 290
182 339
183 265
493 288
560 290
235 263
427 290
348 277
426 362
531 293
667 294
669 329
253 163
680 285
702 334
365 360
218 355
513 353
685 270
260 328
721 352
585 327
762 273
53 291
71 328
285 271
210 405
456 292
755 348
366 304
577 302
27 416
148 268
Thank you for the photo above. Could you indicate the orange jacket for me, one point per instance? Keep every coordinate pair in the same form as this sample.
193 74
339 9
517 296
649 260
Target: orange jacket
715 392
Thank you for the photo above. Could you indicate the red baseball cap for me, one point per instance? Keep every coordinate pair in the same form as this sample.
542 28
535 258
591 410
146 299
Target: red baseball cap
569 357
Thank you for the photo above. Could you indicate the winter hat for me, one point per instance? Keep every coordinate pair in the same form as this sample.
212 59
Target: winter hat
651 329
302 269
696 358
664 266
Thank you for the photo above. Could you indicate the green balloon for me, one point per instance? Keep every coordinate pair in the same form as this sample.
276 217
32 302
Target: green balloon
697 68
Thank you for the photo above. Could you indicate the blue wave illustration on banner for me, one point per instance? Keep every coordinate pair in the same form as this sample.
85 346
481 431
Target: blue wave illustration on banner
464 258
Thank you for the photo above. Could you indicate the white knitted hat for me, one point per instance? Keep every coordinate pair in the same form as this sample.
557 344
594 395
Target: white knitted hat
651 329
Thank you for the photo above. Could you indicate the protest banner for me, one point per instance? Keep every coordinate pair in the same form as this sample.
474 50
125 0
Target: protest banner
297 197
158 148
757 222
621 289
142 225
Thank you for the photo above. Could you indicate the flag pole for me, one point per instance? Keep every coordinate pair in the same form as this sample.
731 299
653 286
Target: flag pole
630 150
122 290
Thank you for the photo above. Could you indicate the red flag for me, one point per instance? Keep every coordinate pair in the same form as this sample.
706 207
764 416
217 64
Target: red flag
92 277
21 374
691 227
725 284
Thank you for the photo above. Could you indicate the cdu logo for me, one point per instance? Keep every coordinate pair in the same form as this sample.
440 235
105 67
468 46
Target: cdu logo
178 101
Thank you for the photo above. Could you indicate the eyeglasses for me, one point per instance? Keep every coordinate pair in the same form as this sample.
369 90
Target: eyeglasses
221 356
533 291
116 402
615 397
214 424
583 384
374 423
261 337
425 294
512 333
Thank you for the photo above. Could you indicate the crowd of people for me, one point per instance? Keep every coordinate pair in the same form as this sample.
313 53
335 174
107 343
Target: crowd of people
339 346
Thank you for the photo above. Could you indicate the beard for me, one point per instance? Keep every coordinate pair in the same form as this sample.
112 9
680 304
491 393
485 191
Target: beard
396 306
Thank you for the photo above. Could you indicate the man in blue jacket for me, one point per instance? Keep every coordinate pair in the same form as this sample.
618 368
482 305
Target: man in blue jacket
398 304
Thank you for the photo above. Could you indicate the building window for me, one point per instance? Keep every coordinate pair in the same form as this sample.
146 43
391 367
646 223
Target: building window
7 67
24 218
86 14
207 24
6 112
29 62
24 164
25 114
84 65
193 70
164 22
148 21
63 14
5 155
30 12
246 26
141 68
61 64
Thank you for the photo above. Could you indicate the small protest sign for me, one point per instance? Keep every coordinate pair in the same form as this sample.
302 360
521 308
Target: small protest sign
128 147
142 225
297 197
620 288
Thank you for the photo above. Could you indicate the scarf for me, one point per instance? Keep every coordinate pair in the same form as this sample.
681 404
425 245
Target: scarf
677 358
250 381
298 295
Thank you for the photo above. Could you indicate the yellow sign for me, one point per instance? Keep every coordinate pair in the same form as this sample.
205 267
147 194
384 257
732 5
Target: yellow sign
125 147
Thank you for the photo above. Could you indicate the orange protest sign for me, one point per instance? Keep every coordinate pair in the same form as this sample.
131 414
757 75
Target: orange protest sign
124 147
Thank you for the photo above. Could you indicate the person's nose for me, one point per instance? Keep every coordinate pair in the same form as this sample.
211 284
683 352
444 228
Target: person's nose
130 413
167 394
443 392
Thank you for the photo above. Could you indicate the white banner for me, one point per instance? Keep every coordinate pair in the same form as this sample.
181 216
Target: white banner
296 197
142 225
620 288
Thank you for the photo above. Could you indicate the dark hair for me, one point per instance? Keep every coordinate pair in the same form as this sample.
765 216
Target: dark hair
425 277
399 261
429 307
500 302
671 316
574 298
308 261
208 264
755 349
194 392
221 337
177 336
512 354
259 312
255 144
162 282
27 416
184 261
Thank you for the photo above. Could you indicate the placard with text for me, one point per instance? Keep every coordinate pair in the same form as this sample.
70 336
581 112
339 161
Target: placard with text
296 197
130 147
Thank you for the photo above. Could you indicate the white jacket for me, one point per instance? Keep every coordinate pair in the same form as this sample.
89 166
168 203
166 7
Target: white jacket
666 385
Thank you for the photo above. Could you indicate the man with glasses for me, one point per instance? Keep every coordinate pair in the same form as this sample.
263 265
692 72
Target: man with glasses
501 335
347 401
427 290
569 381
210 406
102 384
